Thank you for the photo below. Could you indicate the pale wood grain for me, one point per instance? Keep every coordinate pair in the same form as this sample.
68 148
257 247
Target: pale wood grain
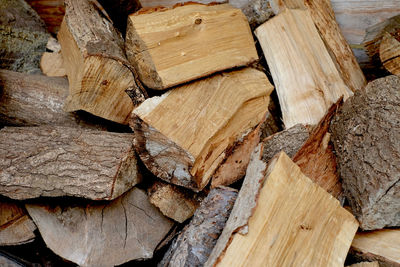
52 64
389 52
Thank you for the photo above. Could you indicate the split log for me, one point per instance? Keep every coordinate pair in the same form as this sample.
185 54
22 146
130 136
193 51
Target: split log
316 159
23 37
324 19
191 40
306 78
16 227
173 201
194 245
50 11
52 64
296 228
186 133
365 134
382 42
381 245
62 161
109 234
30 100
365 264
94 58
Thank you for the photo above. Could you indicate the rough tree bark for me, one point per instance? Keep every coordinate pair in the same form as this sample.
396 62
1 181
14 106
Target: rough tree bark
50 11
60 161
366 134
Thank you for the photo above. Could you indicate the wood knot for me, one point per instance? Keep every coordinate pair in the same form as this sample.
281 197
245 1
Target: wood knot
104 82
198 21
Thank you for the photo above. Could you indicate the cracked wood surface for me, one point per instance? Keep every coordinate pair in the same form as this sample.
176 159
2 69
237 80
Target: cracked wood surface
194 244
94 57
366 134
305 76
171 46
183 135
295 222
109 234
62 161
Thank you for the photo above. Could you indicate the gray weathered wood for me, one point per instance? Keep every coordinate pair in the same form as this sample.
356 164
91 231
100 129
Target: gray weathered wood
60 161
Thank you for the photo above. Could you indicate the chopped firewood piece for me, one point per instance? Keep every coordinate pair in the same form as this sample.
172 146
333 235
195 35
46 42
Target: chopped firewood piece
62 161
31 100
173 201
98 72
365 264
108 234
366 134
52 64
306 79
195 243
183 135
316 159
172 46
389 52
295 222
50 11
23 37
380 245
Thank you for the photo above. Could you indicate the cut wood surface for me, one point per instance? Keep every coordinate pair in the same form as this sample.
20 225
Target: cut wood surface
196 241
306 78
50 11
389 52
60 161
23 37
365 264
381 245
316 159
173 201
184 135
27 100
94 58
52 64
365 134
294 223
109 234
171 46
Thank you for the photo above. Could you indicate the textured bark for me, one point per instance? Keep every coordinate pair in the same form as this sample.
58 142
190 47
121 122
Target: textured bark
365 264
94 57
316 159
23 37
174 202
109 234
194 245
61 161
257 12
365 134
30 100
50 11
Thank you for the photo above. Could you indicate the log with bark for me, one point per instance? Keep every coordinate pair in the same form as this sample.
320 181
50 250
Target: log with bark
107 234
295 222
380 245
23 37
365 134
306 78
175 202
50 11
183 135
98 72
172 46
62 161
196 241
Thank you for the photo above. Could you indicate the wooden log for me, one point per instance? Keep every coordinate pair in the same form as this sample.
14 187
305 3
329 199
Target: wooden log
389 52
31 100
296 228
380 245
365 264
195 243
173 201
192 40
306 78
316 159
52 64
23 37
186 133
365 133
94 58
62 161
16 227
108 234
50 11
257 12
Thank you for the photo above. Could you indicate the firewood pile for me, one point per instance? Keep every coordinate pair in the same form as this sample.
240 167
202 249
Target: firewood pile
161 133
